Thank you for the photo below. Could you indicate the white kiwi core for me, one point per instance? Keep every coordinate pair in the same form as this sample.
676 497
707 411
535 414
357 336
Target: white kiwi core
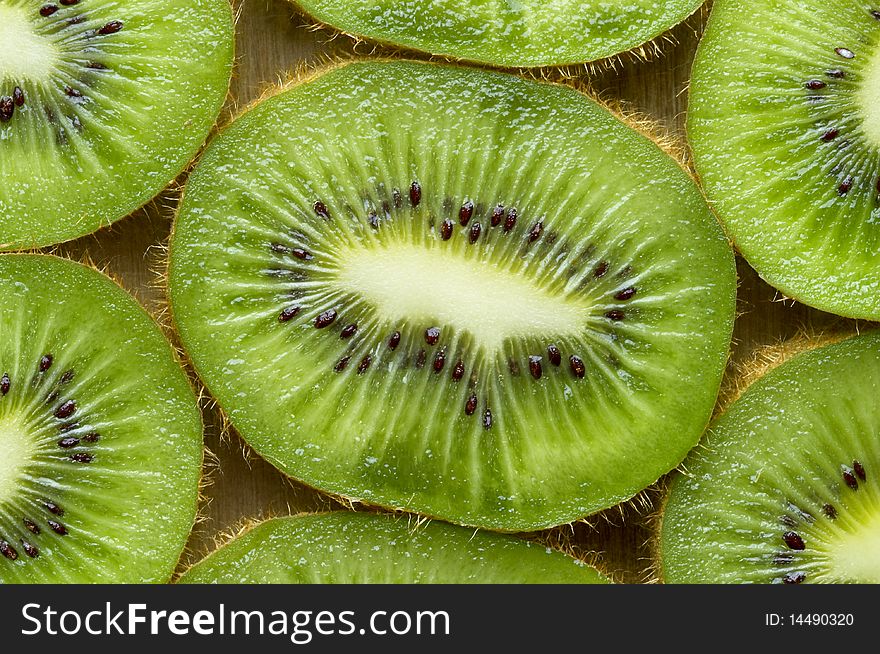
16 450
414 283
855 554
869 100
32 57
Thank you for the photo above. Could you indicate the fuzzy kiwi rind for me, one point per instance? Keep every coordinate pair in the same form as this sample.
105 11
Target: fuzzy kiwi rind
256 245
782 123
784 488
529 36
102 105
101 429
347 547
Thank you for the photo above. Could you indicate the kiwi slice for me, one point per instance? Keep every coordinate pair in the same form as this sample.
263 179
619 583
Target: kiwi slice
464 293
525 33
784 121
344 547
786 489
102 104
99 429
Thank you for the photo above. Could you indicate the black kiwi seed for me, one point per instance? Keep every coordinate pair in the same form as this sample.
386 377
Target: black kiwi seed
289 313
860 470
850 479
876 13
577 366
432 335
364 364
487 419
845 186
794 578
299 253
415 194
600 270
554 355
96 65
497 215
66 377
446 229
7 109
788 521
69 3
348 331
615 315
66 410
82 457
476 228
471 405
829 511
325 319
45 362
396 197
421 357
815 84
18 96
92 437
73 93
31 526
321 210
29 549
439 360
625 294
394 341
510 221
830 134
51 397
465 213
57 527
8 551
110 28
536 231
5 384
70 441
373 219
836 73
458 371
793 540
340 365
845 53
52 507
535 366
48 10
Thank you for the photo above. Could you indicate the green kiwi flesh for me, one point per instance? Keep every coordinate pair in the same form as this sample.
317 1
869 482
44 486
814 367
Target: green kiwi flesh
784 122
471 295
100 433
102 104
786 488
526 33
344 547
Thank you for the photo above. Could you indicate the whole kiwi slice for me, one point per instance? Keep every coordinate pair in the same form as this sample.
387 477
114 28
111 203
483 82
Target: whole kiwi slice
344 547
525 33
784 121
464 293
786 488
100 432
102 104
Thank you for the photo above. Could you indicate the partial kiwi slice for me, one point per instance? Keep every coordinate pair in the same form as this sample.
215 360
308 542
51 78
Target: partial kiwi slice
786 488
464 293
100 431
526 33
344 547
784 121
102 104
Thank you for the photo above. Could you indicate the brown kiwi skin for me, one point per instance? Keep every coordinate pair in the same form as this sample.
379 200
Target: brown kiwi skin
307 72
739 377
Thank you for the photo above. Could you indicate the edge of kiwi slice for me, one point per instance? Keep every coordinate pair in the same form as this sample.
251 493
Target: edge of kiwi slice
100 431
782 489
346 547
529 34
102 105
421 418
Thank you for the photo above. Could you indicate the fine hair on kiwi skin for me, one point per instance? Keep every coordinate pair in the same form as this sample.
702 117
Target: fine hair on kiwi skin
91 428
819 533
304 77
96 161
652 48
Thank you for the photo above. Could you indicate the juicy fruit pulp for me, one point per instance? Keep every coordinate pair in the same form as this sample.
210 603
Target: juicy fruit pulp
102 103
787 490
357 548
784 121
451 290
525 33
100 434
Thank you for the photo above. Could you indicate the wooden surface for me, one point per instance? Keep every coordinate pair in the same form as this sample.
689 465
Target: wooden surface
273 42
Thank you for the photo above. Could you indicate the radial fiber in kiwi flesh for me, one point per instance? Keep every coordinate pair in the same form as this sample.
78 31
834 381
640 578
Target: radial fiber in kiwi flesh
511 34
787 489
102 103
784 121
100 434
344 547
472 295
